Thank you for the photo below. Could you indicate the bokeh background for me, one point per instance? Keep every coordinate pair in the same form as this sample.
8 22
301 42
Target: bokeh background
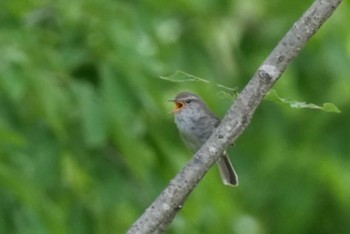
87 141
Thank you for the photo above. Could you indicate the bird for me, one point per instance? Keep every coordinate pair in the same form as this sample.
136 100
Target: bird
196 122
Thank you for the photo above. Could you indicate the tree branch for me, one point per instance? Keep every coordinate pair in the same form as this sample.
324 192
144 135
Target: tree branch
162 211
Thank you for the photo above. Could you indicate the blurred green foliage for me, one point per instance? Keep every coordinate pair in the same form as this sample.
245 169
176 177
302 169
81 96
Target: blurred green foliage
86 141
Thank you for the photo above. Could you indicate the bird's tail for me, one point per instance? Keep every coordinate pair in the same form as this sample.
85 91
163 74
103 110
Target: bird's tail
227 172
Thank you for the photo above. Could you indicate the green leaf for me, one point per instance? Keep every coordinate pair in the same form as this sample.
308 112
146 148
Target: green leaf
327 107
330 107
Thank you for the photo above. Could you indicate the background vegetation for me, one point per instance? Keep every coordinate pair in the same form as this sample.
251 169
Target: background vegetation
86 141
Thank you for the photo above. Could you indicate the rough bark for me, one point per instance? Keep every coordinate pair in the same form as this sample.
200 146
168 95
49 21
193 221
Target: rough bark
162 211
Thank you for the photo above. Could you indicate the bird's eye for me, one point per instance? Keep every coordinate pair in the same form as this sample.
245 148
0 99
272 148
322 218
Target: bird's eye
188 101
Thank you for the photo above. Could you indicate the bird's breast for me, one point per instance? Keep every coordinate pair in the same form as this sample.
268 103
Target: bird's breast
194 130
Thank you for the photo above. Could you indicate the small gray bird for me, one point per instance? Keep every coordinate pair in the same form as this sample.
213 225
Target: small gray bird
196 123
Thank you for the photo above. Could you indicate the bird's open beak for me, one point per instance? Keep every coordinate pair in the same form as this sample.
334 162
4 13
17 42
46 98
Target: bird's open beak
178 106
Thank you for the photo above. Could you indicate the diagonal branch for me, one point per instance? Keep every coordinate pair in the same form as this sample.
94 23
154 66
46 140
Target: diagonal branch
162 211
